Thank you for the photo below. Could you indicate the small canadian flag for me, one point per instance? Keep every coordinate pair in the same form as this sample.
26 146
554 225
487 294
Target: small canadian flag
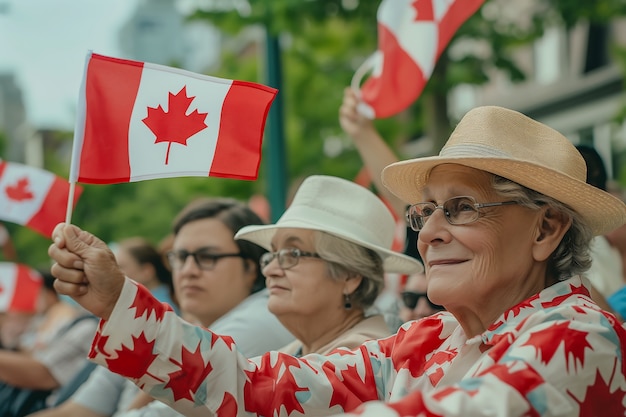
412 34
140 121
19 287
33 197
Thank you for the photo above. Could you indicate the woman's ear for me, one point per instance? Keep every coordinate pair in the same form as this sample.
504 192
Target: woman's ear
552 226
351 283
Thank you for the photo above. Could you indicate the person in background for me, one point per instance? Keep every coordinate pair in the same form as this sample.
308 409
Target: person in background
504 232
7 250
325 268
414 299
141 261
51 352
52 314
218 284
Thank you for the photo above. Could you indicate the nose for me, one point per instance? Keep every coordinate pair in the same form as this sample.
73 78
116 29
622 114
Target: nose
435 229
272 268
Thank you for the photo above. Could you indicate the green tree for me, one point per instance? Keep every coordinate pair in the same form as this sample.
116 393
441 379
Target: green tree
322 42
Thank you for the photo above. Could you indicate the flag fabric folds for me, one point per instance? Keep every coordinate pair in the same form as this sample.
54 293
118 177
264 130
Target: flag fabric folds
412 34
19 288
140 121
33 197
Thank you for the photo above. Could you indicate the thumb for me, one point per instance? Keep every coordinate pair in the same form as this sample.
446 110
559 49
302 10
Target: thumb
79 241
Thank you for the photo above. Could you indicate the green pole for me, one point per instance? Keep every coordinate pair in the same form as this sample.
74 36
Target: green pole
277 173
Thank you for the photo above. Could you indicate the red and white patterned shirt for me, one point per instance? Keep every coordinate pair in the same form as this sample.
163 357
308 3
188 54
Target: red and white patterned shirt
554 354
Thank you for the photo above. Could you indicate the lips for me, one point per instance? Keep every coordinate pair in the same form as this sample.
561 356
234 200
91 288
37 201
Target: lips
446 262
191 289
277 288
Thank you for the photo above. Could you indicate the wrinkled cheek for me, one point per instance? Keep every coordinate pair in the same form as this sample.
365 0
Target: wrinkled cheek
485 263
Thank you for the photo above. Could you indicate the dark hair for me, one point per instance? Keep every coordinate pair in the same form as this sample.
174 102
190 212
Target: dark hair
145 253
233 214
596 171
47 279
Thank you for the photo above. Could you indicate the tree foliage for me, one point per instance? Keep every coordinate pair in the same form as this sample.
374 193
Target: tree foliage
322 42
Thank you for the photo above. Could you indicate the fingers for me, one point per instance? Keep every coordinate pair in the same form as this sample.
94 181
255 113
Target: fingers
57 235
59 253
69 288
69 275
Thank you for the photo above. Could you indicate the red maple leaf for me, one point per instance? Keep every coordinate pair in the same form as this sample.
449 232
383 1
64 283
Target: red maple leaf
133 362
408 348
271 387
145 302
559 299
600 397
174 125
20 190
99 343
193 371
350 390
228 408
228 341
424 10
411 405
547 341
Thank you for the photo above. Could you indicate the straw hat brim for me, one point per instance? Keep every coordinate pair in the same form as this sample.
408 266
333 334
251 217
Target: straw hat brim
602 211
392 261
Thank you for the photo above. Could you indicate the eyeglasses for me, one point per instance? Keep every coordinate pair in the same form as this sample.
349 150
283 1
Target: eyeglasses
287 258
203 258
410 300
457 210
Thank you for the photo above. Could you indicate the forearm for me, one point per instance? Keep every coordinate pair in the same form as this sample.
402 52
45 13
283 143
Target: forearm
376 155
21 370
192 369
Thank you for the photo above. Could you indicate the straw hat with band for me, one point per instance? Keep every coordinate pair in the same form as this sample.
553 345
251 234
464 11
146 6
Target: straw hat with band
343 209
514 146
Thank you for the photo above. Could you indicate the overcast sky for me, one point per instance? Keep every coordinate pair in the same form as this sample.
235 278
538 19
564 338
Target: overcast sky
44 43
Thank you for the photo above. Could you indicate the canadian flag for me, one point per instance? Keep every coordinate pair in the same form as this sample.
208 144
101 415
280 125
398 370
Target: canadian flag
412 34
33 197
140 121
19 287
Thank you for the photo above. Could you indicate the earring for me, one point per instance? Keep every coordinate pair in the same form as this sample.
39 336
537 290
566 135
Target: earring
347 304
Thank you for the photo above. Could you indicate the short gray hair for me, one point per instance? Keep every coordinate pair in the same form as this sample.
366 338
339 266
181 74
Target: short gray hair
345 258
572 256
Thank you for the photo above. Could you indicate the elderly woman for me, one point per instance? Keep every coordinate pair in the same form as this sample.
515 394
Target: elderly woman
328 254
505 220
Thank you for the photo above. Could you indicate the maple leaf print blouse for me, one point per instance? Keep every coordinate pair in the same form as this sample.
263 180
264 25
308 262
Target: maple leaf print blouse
555 354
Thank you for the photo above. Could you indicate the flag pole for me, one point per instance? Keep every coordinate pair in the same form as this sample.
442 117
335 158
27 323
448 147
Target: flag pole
367 66
79 133
70 203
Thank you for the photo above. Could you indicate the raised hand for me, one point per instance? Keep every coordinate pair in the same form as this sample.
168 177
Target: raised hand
85 269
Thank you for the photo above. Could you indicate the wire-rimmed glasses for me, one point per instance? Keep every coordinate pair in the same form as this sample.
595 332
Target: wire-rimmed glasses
287 258
457 210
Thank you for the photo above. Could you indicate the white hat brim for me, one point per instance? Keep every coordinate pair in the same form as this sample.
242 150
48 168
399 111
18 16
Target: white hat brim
392 261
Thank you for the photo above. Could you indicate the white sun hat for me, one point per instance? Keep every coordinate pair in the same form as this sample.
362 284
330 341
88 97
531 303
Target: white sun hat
343 209
509 144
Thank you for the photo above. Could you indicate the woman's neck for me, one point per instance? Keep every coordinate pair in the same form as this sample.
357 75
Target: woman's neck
318 332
